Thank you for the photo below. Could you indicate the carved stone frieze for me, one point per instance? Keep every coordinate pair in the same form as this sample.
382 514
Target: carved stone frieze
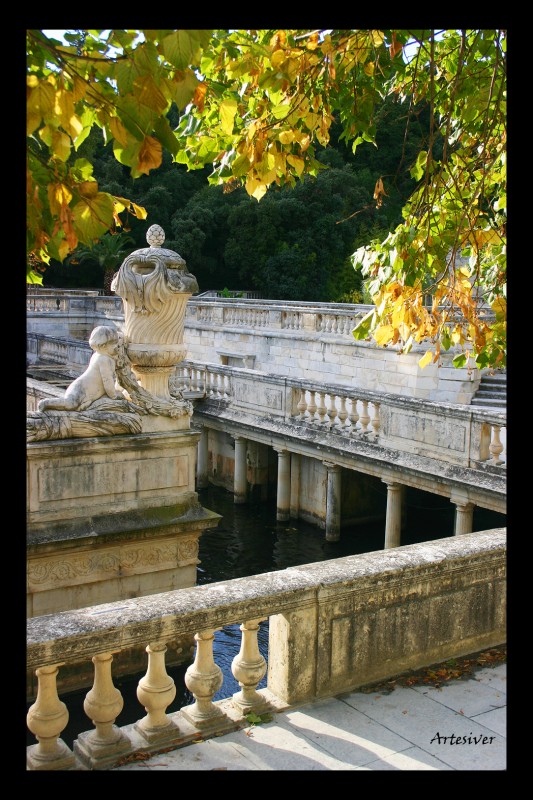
95 566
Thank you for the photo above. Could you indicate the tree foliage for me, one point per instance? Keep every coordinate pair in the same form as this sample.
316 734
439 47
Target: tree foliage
256 107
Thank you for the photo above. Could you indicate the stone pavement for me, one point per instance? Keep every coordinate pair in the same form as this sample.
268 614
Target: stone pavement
459 726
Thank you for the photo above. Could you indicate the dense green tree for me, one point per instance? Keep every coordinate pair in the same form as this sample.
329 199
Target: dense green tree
108 253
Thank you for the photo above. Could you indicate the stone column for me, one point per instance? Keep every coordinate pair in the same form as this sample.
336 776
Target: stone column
202 459
333 502
284 485
239 480
464 514
295 486
393 520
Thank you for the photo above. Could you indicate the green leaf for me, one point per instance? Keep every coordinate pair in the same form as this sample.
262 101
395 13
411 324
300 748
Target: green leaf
93 216
419 167
166 135
182 49
459 360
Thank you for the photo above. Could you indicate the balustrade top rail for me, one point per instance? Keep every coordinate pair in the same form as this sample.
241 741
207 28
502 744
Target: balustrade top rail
124 624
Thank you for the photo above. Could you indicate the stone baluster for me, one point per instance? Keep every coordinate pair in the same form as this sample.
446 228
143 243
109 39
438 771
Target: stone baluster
220 386
328 323
156 691
184 379
200 380
354 416
248 668
321 409
212 384
46 718
332 411
203 678
496 447
484 444
101 747
311 406
302 405
365 417
376 419
343 413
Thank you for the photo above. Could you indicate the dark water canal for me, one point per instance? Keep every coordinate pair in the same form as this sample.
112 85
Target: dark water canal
248 540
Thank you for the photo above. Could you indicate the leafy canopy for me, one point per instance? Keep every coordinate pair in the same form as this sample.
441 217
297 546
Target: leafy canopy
255 105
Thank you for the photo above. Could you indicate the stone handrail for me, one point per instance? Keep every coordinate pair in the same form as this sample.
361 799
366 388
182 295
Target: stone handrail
375 416
335 318
326 608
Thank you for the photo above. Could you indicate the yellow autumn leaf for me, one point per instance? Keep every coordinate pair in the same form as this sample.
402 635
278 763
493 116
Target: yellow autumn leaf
227 111
383 335
79 89
404 331
59 196
277 58
42 100
286 137
499 306
139 211
425 360
60 145
88 188
32 123
118 130
148 93
297 163
255 188
150 155
456 335
63 249
64 111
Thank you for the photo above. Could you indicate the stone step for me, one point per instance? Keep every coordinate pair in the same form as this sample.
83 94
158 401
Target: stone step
489 402
492 391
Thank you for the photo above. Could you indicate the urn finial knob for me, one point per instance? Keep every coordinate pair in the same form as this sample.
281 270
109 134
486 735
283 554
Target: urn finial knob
155 235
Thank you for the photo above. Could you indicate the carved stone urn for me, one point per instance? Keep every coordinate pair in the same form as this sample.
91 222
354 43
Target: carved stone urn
154 284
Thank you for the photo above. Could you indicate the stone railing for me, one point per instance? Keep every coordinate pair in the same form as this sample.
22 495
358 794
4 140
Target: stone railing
364 617
288 338
72 302
336 318
468 436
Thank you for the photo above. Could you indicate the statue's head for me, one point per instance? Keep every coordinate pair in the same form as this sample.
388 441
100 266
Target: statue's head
103 335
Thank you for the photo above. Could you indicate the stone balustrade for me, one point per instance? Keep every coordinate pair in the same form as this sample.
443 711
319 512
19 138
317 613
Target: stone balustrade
468 436
290 338
365 617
